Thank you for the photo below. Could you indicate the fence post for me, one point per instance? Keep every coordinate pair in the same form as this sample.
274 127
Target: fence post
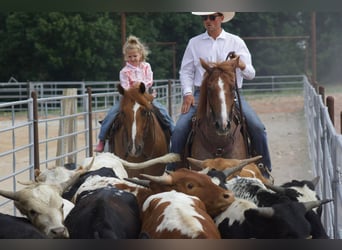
330 104
321 91
170 97
67 126
35 131
90 119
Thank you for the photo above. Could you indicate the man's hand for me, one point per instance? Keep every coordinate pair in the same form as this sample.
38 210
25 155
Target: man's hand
188 101
241 65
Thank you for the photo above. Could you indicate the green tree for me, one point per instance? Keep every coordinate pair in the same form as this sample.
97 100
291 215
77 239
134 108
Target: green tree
58 46
61 46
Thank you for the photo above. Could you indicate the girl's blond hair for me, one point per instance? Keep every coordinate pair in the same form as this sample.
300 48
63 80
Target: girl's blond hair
133 42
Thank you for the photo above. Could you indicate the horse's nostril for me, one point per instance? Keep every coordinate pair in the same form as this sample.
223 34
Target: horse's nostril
228 124
226 196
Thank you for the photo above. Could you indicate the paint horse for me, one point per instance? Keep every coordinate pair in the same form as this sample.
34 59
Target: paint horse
137 134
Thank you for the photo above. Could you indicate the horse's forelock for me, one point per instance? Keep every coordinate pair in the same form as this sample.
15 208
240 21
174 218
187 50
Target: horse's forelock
144 99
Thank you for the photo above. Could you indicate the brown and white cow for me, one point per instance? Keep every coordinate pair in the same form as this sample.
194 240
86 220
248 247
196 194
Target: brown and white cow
215 198
250 170
175 215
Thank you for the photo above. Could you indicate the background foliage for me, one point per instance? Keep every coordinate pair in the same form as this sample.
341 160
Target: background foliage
70 46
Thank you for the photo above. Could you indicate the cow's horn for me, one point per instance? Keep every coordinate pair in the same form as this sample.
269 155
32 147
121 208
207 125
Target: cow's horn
165 179
26 183
312 204
144 183
10 195
167 158
315 181
89 166
65 185
195 162
242 164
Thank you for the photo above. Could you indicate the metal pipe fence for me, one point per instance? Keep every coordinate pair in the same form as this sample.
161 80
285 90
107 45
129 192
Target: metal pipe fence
325 152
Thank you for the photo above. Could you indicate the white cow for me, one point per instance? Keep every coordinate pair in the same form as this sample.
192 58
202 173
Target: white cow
43 205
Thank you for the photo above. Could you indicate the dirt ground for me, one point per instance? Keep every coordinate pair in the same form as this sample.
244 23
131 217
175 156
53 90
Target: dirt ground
283 117
285 124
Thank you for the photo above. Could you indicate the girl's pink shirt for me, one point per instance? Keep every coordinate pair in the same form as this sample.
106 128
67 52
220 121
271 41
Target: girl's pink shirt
131 74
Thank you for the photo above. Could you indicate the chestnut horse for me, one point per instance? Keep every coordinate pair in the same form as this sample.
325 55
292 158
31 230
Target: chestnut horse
137 135
217 126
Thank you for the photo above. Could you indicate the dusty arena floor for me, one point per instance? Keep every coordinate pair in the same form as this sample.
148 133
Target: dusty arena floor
285 123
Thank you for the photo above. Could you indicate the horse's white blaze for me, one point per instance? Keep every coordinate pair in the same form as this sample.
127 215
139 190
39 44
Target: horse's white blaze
134 125
224 112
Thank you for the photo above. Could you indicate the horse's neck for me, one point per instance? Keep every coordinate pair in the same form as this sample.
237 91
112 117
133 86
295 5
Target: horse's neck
203 109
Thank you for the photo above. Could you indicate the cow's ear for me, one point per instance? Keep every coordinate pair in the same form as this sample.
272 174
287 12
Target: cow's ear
121 89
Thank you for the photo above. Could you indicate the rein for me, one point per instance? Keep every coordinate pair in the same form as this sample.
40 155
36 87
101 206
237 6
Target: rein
150 119
242 117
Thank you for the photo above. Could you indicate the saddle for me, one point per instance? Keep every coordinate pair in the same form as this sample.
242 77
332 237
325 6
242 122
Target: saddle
242 128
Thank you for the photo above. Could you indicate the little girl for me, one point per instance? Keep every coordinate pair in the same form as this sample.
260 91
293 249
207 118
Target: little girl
135 71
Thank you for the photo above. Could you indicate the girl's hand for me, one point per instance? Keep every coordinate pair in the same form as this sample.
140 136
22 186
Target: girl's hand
154 93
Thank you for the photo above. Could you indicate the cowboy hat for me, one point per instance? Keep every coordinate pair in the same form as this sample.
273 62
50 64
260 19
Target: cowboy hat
227 16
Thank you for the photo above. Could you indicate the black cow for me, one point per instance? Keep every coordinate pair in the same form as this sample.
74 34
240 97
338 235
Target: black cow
255 191
105 172
243 219
301 191
12 227
105 213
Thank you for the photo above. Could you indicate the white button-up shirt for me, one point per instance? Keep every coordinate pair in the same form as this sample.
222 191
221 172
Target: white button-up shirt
205 47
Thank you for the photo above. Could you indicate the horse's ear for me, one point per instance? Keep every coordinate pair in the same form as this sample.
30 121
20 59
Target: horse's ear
121 89
205 65
142 88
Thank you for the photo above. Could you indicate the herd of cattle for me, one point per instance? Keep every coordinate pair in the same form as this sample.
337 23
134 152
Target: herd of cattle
216 198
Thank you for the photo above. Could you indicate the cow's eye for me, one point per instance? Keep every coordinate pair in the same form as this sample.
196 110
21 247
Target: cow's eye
32 213
190 185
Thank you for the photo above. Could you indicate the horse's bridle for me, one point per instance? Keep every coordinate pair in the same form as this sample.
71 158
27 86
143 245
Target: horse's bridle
149 119
232 55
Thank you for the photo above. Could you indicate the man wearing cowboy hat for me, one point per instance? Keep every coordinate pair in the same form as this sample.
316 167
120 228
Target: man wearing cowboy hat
214 46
